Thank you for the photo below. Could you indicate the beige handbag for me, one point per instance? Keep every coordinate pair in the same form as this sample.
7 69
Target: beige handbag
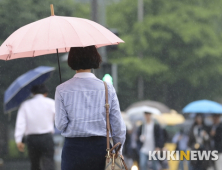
114 161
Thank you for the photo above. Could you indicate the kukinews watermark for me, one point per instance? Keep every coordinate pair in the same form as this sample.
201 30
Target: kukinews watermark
181 155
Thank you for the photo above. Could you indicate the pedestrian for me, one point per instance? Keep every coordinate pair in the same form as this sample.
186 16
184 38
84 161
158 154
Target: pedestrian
181 140
216 134
199 140
150 138
35 120
81 114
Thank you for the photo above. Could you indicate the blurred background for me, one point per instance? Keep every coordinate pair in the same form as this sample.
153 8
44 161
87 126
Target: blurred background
172 52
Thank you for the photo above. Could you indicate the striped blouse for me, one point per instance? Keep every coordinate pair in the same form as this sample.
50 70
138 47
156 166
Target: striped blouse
80 110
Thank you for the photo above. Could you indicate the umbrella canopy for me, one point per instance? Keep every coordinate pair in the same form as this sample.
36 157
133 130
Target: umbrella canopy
19 90
137 113
203 106
55 32
160 106
172 118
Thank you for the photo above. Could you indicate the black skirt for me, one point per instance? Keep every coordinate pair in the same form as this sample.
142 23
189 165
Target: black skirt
84 153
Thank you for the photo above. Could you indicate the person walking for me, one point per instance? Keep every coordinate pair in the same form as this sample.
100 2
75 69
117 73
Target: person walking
150 138
181 140
35 120
81 115
199 140
216 134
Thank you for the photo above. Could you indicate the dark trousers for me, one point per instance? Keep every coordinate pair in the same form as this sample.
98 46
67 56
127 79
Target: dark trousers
84 153
41 151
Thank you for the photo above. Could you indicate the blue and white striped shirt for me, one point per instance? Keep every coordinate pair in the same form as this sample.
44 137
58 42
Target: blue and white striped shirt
80 110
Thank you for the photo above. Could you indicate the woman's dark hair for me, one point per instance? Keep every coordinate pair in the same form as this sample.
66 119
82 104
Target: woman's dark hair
84 58
202 117
39 89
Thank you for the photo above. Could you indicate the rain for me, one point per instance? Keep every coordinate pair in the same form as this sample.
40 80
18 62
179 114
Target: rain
162 58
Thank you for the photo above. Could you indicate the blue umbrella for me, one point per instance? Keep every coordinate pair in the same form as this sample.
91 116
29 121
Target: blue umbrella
203 106
19 90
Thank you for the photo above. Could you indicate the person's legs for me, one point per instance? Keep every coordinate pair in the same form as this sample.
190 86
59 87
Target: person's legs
155 164
199 165
34 154
143 161
181 165
47 160
47 155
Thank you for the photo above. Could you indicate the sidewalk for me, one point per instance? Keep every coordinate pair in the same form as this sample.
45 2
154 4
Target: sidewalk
15 165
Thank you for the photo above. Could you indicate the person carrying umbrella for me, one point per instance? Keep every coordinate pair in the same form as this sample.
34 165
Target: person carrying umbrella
58 34
81 113
199 140
35 119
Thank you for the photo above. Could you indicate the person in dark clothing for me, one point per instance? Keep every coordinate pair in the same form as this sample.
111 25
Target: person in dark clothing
149 138
158 136
199 140
216 135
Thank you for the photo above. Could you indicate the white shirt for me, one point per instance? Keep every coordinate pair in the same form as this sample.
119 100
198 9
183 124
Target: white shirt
147 138
35 116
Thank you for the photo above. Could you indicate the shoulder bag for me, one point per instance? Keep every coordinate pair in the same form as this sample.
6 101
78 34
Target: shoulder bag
114 161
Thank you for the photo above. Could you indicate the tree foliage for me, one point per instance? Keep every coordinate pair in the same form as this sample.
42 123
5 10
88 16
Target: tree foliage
176 49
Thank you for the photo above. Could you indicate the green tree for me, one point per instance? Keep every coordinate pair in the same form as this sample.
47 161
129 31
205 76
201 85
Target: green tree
176 49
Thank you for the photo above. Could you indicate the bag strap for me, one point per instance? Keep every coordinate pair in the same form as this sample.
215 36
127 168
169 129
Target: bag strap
108 127
107 118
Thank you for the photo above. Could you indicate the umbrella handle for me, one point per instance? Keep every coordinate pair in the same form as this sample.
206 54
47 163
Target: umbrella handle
52 10
59 66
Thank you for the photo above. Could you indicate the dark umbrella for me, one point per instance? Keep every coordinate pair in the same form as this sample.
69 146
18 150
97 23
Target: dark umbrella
19 90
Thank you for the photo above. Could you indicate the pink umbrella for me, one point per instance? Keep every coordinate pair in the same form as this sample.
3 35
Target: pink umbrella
55 34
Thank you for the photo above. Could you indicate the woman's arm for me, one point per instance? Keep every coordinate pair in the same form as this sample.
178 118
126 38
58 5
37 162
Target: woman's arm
61 118
117 124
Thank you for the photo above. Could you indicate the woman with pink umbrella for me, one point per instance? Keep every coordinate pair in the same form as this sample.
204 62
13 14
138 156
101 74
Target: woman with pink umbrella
55 34
81 115
80 101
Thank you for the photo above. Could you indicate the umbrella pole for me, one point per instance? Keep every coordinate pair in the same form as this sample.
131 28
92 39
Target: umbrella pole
59 66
